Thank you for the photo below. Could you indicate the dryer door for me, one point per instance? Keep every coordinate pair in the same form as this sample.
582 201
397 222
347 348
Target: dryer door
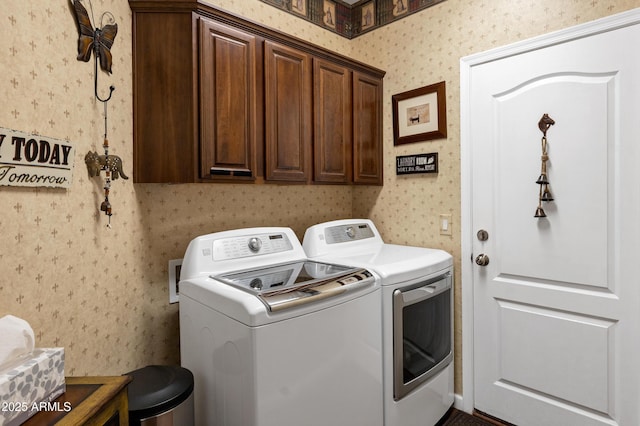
422 333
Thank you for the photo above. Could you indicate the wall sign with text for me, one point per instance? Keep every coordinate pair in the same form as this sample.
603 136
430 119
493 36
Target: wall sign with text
33 160
417 163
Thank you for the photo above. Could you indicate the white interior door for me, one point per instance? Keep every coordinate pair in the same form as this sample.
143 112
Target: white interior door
556 309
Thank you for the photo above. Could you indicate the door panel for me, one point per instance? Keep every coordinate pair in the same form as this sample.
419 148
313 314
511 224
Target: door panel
555 323
579 172
535 365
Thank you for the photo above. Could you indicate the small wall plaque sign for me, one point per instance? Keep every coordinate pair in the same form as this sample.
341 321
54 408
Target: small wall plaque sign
33 160
417 163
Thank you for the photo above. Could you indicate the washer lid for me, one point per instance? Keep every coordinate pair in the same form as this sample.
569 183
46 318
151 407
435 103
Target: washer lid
284 286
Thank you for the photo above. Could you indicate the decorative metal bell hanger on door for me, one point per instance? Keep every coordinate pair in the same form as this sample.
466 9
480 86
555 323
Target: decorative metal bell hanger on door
543 180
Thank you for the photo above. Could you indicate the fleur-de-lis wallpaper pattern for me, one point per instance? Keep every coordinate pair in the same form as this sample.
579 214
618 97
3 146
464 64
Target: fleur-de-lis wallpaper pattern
102 293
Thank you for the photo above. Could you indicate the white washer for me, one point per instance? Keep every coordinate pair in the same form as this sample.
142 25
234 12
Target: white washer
417 315
276 340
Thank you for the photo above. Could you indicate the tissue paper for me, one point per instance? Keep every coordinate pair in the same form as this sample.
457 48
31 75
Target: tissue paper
24 387
17 341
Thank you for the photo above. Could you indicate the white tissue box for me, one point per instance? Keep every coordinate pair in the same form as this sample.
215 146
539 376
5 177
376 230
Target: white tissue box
28 386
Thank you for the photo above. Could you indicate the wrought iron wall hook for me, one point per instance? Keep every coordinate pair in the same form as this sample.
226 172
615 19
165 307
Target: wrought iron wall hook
544 193
95 84
99 41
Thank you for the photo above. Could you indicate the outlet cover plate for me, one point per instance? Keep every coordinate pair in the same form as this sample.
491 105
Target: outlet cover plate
174 278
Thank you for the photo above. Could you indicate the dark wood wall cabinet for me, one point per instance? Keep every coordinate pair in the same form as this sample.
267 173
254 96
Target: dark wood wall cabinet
219 98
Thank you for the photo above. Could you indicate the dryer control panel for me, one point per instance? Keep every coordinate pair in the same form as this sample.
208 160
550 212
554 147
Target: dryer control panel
347 232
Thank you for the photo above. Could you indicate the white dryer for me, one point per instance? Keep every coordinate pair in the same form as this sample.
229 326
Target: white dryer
417 315
274 339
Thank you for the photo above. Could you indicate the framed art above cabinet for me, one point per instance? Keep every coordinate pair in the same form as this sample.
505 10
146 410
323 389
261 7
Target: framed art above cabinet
218 98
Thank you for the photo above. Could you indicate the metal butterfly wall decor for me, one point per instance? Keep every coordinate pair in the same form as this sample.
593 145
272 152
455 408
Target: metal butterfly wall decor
98 40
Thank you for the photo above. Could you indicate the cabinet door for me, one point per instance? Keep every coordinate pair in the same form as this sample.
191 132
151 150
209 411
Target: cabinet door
228 102
367 131
332 122
288 113
164 98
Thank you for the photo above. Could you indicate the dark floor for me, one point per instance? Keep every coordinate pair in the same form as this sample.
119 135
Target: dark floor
459 418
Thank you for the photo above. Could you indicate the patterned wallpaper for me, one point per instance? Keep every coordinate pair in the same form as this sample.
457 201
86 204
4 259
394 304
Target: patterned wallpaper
102 293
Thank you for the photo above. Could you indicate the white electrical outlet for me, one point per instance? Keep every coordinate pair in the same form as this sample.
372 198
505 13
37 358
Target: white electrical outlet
174 279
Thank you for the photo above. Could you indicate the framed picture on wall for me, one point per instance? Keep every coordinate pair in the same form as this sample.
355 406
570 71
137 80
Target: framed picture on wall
420 114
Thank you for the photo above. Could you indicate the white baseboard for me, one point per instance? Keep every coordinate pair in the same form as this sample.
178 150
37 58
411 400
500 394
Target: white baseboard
458 403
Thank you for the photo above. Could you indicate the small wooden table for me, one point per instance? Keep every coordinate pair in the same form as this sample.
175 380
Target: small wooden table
100 400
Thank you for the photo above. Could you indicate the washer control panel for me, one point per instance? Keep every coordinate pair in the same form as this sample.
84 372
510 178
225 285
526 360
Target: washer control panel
345 233
247 246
